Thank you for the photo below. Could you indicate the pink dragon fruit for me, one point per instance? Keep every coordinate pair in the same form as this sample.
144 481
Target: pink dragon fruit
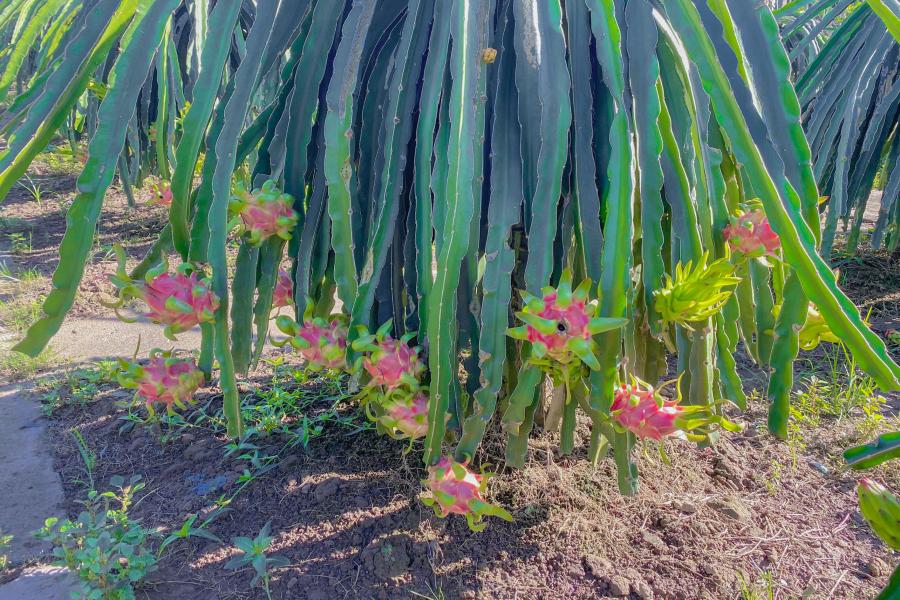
264 213
643 411
406 414
560 326
162 194
454 489
390 363
284 290
751 235
178 300
638 410
322 344
164 380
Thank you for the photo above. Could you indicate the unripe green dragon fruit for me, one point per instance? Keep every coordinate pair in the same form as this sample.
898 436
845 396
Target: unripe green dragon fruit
881 509
560 325
697 292
321 343
166 380
264 213
815 330
453 489
179 300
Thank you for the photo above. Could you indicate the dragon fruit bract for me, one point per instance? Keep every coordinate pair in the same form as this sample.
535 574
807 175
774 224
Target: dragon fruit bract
284 290
322 344
178 300
751 235
164 380
264 213
454 489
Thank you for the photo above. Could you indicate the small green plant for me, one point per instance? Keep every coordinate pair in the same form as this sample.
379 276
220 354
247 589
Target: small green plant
253 554
88 457
764 589
105 547
187 530
19 242
34 189
5 541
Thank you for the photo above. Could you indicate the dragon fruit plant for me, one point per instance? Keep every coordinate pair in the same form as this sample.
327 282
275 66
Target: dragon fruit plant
179 300
696 293
162 194
284 290
560 326
643 411
165 379
749 235
264 213
453 489
321 343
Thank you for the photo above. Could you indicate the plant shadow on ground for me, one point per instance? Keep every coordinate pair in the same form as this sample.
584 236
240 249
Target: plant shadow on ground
713 523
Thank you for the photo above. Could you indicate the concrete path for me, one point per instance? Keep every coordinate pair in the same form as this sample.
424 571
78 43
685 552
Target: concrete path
32 491
97 338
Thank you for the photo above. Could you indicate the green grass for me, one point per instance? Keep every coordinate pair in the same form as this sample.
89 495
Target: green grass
18 311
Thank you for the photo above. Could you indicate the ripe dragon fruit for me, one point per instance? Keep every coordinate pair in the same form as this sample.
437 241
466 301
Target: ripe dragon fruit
640 409
162 194
751 235
284 290
264 213
178 300
453 489
164 380
560 326
405 415
390 363
322 344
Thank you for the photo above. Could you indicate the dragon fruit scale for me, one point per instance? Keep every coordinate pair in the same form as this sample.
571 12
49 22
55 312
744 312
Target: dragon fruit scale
454 489
322 344
264 213
166 380
751 235
179 300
